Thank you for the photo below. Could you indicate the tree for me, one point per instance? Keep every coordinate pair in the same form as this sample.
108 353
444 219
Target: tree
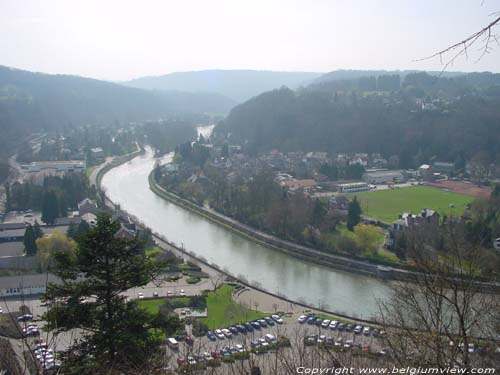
353 214
366 237
30 247
432 319
116 331
50 207
49 247
37 230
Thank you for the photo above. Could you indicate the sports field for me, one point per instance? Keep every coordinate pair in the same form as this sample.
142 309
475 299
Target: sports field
386 205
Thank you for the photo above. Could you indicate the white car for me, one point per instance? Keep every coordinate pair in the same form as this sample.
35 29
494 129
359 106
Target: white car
170 293
325 323
240 348
140 295
207 356
182 293
321 339
1 310
358 329
263 342
366 331
227 332
277 319
333 324
219 334
302 318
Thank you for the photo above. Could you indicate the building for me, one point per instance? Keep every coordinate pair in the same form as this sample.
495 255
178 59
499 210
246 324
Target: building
97 152
443 167
12 235
426 172
25 285
298 184
87 206
408 221
352 187
57 166
382 176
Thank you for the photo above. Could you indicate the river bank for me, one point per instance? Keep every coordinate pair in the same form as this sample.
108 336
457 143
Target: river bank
268 297
298 251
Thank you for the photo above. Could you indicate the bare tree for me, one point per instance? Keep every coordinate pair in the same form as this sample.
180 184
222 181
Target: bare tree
485 38
438 318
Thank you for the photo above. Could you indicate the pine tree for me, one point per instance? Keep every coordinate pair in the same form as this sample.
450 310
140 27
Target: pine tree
102 268
30 247
50 207
37 230
353 214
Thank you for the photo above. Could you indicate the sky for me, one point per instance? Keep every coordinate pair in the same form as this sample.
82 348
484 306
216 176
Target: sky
121 40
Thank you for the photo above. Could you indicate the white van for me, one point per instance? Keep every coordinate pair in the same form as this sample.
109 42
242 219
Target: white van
172 343
270 338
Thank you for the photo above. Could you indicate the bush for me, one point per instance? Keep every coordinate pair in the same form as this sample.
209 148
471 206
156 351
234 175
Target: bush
193 280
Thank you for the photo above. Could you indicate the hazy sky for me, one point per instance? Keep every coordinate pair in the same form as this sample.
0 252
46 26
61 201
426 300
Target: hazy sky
122 39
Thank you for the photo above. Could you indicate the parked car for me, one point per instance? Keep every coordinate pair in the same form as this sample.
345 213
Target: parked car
248 327
155 294
255 325
270 338
240 348
25 318
219 334
140 295
262 322
341 326
311 320
241 328
278 319
349 327
358 329
318 321
333 324
325 323
211 336
269 320
302 319
366 331
182 293
234 330
227 332
321 339
170 293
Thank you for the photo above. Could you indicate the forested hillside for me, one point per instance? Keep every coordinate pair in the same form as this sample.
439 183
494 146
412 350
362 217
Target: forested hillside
447 118
32 102
239 85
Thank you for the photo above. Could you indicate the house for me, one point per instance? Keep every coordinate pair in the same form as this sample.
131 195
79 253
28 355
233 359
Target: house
443 167
339 202
59 166
125 233
97 153
87 206
408 221
426 172
297 184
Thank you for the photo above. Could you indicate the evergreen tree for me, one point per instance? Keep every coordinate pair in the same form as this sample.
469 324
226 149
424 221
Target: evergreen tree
30 247
50 207
353 214
117 331
37 230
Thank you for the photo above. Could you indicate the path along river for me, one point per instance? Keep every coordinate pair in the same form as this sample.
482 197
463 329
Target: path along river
343 292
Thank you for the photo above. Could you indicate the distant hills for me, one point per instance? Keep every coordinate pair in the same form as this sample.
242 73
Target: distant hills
415 118
33 101
239 85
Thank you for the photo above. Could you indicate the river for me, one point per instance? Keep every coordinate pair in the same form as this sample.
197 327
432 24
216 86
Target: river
335 290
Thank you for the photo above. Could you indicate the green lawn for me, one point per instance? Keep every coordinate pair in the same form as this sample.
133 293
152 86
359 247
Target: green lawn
223 311
152 305
386 205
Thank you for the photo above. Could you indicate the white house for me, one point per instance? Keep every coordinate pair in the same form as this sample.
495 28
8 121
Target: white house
25 285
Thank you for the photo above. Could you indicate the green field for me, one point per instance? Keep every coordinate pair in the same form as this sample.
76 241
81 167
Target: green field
223 311
386 205
152 305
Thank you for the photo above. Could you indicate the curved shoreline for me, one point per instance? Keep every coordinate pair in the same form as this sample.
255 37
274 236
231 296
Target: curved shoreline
298 251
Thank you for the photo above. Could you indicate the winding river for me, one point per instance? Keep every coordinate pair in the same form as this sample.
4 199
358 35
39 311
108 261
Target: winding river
343 292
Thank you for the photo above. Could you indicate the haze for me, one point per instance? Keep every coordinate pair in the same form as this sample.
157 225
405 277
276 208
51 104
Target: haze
120 40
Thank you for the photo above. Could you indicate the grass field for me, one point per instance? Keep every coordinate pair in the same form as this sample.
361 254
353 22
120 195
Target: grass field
223 311
152 305
386 205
